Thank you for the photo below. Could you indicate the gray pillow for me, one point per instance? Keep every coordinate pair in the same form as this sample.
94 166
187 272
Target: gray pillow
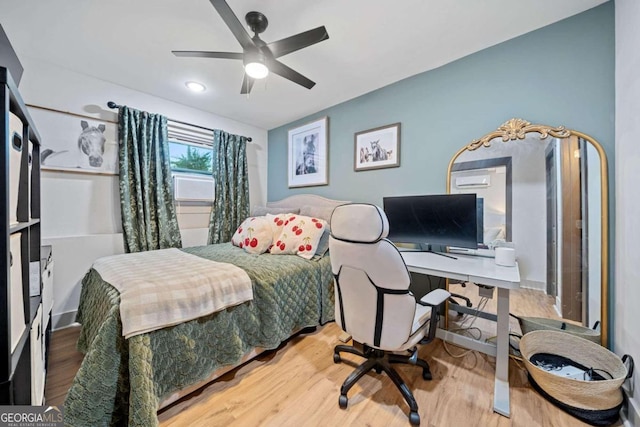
323 244
263 210
322 212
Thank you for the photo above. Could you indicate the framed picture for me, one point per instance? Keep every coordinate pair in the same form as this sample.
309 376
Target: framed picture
76 143
377 148
309 154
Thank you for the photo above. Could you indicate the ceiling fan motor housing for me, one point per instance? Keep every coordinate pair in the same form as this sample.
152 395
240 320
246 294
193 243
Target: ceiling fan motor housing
256 21
253 56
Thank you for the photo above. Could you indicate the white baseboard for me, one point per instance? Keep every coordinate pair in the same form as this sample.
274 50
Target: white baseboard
63 320
630 414
557 306
533 284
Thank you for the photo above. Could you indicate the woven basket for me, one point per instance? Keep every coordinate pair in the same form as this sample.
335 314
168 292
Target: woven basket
585 395
530 324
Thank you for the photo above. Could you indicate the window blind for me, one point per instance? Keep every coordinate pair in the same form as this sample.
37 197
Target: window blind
188 134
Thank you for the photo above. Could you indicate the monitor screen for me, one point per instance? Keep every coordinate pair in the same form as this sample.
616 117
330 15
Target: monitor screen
441 219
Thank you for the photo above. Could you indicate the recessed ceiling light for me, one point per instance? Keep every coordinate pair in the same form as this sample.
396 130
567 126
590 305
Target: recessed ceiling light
195 86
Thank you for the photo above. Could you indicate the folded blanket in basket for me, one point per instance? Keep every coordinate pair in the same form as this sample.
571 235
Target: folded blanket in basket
166 287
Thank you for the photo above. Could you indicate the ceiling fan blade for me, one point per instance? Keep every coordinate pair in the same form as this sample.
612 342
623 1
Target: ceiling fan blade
247 84
297 42
233 23
280 69
203 54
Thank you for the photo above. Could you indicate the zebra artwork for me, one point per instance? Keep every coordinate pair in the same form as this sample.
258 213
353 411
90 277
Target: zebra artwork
306 163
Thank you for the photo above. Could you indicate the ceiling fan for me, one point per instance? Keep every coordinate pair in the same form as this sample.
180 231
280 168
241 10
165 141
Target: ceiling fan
259 58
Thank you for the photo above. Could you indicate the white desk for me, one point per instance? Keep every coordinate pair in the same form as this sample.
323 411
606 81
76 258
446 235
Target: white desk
483 271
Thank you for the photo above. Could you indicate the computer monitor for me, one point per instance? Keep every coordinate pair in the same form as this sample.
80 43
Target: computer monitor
440 219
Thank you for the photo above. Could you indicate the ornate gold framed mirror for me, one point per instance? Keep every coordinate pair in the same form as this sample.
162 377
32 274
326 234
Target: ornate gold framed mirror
544 190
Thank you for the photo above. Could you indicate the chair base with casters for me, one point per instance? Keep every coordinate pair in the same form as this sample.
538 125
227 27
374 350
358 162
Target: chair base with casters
380 360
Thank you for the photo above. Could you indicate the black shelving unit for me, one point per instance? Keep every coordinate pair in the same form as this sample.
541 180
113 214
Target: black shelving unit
15 364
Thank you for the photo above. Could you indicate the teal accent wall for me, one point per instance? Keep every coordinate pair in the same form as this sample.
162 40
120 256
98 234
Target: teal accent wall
562 74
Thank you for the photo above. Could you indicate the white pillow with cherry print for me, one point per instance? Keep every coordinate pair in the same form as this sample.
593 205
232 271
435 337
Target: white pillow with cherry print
278 222
254 235
300 236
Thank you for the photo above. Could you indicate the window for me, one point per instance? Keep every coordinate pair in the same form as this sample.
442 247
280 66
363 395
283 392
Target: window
190 158
190 148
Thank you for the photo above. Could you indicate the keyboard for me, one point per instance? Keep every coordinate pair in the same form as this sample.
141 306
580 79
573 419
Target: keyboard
489 253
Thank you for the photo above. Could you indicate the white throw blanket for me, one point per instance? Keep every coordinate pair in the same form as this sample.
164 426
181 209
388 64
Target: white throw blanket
166 287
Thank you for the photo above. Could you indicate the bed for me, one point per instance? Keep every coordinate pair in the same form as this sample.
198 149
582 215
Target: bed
126 381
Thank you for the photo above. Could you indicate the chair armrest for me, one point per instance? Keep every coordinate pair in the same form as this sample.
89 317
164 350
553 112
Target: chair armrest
435 297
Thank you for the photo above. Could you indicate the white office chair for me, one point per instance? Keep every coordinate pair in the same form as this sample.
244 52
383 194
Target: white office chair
373 301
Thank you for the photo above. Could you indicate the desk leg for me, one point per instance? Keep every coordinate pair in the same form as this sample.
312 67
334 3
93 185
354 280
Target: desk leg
501 390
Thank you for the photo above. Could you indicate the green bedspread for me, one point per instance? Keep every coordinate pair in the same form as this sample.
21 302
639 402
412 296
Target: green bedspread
122 381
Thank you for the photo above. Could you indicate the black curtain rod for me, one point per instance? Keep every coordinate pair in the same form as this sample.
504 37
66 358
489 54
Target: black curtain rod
112 104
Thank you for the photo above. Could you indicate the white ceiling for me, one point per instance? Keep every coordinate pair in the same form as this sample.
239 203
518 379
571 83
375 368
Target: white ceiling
372 43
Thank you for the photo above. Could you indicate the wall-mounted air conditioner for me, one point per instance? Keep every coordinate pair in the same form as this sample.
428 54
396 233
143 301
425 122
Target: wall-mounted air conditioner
473 181
193 188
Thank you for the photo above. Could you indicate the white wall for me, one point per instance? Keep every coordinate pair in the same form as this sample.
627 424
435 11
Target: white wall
81 212
626 294
529 215
528 206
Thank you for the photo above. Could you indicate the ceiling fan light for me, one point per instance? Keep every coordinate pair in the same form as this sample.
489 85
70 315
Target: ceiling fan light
256 70
195 86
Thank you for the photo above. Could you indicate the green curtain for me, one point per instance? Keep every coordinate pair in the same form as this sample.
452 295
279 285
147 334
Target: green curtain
231 205
149 218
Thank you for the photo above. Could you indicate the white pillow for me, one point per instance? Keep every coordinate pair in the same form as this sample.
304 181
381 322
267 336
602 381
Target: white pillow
254 235
300 236
278 222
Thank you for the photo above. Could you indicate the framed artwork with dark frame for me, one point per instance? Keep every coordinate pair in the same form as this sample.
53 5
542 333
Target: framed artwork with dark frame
308 158
377 148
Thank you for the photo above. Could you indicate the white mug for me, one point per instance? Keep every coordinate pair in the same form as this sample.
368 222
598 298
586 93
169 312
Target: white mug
506 257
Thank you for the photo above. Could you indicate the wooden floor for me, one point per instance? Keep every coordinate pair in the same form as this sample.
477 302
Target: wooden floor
298 385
